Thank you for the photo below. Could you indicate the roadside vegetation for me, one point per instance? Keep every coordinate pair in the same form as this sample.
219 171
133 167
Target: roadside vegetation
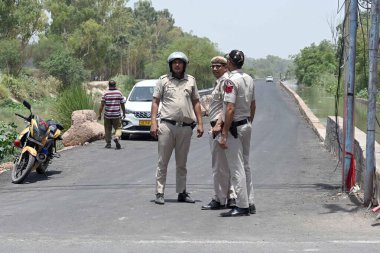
317 64
49 49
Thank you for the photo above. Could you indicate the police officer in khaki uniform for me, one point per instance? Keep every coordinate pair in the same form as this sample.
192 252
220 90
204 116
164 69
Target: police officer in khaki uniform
224 192
239 111
181 109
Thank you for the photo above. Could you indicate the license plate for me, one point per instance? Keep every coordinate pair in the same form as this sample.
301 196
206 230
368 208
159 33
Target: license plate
145 123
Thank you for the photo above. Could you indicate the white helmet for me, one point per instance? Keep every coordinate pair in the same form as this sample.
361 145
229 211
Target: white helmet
178 55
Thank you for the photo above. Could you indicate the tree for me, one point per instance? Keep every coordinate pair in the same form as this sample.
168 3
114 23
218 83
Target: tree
65 67
198 50
20 20
315 62
10 55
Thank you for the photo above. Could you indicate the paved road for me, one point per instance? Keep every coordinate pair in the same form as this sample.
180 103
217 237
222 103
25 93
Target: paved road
97 200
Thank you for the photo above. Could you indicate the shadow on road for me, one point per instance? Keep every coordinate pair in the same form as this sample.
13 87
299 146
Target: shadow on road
35 177
140 137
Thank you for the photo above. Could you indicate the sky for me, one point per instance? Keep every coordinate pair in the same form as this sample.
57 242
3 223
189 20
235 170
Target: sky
257 27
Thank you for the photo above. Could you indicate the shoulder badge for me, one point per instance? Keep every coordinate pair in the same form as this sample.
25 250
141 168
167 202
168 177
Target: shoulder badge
228 88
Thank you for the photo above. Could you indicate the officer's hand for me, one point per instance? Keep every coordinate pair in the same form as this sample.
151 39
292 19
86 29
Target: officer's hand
200 131
154 130
123 116
223 141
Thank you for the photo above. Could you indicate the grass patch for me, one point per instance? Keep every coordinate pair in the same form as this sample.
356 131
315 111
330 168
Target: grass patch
72 99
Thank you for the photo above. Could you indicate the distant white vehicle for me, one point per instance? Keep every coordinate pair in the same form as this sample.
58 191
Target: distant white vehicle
137 109
269 79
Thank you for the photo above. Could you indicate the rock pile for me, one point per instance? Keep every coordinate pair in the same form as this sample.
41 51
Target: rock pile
84 128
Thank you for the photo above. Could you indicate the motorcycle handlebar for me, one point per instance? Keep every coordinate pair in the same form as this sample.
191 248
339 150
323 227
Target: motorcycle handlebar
25 118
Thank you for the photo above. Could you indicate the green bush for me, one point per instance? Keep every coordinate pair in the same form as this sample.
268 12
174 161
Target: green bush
8 134
66 68
28 87
73 98
4 93
15 87
51 85
363 93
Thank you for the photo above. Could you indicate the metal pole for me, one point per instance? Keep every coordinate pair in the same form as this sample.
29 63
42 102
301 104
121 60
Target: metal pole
350 128
371 114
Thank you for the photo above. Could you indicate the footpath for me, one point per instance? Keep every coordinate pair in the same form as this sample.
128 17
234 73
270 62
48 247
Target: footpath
327 135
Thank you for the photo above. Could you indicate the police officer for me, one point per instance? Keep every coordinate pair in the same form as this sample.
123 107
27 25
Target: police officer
224 192
239 110
178 93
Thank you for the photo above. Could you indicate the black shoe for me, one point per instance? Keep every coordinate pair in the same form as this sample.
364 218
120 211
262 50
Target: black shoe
231 203
213 205
160 199
237 211
108 145
118 146
185 197
252 209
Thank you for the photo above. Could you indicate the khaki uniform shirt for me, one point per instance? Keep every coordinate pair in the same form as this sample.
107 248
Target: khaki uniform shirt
176 97
240 90
216 105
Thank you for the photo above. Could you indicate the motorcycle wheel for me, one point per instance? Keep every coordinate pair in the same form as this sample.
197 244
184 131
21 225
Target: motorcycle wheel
42 168
22 170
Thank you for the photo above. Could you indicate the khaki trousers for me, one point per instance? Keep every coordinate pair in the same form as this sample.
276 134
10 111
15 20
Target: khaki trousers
108 125
238 160
220 172
171 138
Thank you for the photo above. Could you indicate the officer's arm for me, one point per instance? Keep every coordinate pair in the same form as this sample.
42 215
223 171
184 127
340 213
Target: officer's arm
198 114
230 110
253 110
153 114
198 111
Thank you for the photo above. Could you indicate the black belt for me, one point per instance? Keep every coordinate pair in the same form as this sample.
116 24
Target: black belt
212 123
175 123
241 122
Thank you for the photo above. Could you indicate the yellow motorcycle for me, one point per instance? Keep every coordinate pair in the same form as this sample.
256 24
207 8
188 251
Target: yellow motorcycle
38 146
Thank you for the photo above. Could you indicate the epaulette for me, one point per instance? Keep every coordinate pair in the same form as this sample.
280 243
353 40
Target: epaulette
164 76
190 77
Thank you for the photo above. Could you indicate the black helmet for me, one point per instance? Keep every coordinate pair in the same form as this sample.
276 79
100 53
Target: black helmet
236 57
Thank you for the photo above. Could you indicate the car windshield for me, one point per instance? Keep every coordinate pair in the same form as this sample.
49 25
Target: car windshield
142 94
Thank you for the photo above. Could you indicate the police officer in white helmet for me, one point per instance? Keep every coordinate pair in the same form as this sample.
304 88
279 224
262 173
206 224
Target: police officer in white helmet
239 110
180 113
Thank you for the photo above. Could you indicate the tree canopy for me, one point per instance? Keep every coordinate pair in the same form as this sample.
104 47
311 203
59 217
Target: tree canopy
82 39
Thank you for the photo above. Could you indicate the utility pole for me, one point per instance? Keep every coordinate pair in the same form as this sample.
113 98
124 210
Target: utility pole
349 108
373 48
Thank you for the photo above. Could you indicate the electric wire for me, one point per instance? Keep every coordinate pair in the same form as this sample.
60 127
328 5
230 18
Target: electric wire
337 94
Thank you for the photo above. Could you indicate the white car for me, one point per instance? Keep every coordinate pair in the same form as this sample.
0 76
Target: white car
137 118
269 79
